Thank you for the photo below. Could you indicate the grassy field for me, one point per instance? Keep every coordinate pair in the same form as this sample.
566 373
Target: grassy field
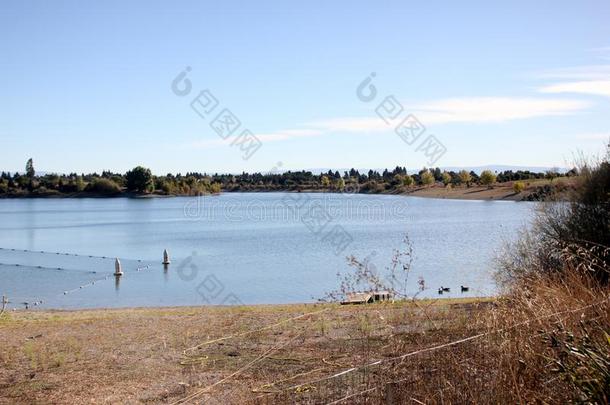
220 354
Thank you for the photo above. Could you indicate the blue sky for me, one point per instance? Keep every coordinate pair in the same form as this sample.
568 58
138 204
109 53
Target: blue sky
86 86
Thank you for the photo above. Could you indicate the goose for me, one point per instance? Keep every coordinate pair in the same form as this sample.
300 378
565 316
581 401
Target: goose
464 288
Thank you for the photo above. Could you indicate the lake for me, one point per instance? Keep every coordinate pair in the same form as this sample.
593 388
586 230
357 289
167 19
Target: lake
249 248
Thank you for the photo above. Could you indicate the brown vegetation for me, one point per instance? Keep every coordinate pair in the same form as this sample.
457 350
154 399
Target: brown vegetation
164 355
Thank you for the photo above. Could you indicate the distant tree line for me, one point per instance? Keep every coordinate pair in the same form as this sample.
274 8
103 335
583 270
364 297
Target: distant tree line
141 181
138 181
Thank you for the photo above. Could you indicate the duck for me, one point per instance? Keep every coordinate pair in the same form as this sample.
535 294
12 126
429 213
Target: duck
464 288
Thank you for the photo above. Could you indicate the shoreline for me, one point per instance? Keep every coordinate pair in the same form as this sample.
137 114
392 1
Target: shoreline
536 190
251 307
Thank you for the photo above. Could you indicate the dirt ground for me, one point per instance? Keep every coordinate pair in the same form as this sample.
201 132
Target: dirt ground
263 354
500 191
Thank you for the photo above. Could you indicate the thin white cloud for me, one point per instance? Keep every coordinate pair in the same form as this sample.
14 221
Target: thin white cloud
590 87
462 110
577 73
592 80
472 110
495 109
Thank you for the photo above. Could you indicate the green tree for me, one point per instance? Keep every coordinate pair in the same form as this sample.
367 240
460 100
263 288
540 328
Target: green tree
340 184
325 181
427 178
139 179
22 181
487 178
29 169
103 186
407 180
215 188
164 185
552 174
446 177
465 177
438 175
79 184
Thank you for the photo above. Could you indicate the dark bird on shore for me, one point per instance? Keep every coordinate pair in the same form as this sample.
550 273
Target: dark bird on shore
440 291
464 288
446 289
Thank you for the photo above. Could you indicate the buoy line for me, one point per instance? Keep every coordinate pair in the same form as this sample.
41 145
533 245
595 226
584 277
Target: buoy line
118 269
67 292
59 253
89 284
48 268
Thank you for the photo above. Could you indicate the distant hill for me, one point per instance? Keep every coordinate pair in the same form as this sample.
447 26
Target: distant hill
501 168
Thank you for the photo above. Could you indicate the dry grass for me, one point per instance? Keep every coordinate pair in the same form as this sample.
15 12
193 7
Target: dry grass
141 355
547 340
173 355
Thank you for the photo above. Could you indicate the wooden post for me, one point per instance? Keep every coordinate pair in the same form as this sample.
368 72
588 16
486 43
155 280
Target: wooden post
4 303
118 271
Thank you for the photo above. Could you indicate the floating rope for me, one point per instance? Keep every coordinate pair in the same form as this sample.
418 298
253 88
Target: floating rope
57 253
44 267
38 302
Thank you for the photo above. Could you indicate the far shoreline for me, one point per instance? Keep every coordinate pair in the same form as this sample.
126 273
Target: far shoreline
536 190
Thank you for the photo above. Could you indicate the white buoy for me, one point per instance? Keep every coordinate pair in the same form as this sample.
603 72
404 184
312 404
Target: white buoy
166 257
118 271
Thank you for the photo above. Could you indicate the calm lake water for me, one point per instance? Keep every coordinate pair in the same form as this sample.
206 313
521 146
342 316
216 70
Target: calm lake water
240 248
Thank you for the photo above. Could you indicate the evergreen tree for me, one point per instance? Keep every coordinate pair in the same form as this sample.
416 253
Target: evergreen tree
29 169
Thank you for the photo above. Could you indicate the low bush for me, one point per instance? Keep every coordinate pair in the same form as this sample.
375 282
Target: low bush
103 186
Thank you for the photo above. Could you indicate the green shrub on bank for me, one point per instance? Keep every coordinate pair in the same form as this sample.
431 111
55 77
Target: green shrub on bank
518 187
103 186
